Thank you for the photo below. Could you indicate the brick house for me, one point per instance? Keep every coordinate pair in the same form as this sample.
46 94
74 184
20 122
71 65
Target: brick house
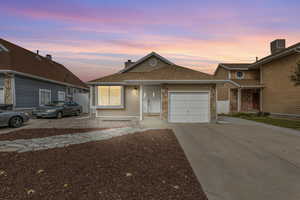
264 85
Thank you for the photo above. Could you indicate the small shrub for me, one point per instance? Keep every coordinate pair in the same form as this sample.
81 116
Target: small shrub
240 114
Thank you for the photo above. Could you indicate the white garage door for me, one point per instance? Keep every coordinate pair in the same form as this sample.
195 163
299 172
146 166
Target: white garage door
189 107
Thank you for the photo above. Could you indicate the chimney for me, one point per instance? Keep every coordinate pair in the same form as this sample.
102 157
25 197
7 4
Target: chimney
49 57
277 46
128 63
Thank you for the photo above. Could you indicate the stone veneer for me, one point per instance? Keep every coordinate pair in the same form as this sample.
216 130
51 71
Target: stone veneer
8 89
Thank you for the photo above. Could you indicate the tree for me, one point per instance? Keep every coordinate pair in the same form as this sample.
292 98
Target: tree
296 76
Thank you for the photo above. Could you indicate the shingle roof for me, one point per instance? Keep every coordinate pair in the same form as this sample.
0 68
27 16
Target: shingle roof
172 72
25 61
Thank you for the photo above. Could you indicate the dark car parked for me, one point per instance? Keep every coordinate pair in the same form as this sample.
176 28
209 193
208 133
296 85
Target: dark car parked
57 109
13 119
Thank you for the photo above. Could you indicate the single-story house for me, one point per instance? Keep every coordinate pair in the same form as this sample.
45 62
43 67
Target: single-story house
28 79
154 86
265 85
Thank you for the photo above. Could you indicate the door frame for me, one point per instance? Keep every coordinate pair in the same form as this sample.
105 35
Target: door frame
159 94
191 91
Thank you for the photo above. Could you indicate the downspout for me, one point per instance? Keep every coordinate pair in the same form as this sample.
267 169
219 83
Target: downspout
141 101
13 85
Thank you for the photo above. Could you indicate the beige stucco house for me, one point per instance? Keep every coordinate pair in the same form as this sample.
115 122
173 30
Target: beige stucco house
264 85
154 86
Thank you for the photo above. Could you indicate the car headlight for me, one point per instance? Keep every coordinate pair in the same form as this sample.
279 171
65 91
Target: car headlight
50 110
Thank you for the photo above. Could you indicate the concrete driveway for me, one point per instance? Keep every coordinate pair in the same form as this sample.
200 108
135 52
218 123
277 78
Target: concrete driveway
243 160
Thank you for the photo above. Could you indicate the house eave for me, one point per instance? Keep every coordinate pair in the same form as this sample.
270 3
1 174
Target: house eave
229 68
176 81
252 86
108 83
159 82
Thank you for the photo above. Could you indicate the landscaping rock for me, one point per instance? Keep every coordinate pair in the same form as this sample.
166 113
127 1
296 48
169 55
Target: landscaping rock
59 141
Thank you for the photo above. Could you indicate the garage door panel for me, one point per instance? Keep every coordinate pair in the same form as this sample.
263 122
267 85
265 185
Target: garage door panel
189 107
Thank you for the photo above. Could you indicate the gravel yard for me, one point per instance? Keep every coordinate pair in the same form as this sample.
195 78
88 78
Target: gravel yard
43 132
148 165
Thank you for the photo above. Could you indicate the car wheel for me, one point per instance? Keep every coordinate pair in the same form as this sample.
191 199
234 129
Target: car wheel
15 122
59 115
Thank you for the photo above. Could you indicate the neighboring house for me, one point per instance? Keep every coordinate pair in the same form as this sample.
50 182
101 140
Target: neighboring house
265 85
243 93
28 79
154 86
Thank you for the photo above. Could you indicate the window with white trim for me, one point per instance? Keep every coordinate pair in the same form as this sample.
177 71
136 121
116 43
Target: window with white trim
61 96
44 96
110 96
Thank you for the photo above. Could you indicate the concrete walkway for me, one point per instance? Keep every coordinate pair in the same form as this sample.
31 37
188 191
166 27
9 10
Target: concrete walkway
36 144
243 160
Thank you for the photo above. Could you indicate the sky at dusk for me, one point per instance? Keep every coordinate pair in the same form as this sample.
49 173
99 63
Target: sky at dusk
95 37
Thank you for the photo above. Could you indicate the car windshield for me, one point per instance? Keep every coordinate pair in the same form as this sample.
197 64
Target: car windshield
56 103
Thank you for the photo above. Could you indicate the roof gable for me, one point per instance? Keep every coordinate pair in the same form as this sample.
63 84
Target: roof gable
144 59
24 61
168 72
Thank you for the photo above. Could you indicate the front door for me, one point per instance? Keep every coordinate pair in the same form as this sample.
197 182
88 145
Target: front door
152 99
256 99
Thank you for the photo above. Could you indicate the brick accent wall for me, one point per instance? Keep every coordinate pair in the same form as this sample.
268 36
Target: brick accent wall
164 92
8 90
213 107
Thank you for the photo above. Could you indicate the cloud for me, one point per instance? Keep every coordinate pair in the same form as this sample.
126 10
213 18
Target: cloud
94 38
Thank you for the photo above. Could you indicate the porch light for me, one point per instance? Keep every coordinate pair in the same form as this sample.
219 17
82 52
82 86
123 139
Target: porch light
135 91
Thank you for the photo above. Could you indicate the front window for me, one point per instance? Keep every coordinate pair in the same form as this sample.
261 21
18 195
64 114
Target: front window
61 96
45 96
110 96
